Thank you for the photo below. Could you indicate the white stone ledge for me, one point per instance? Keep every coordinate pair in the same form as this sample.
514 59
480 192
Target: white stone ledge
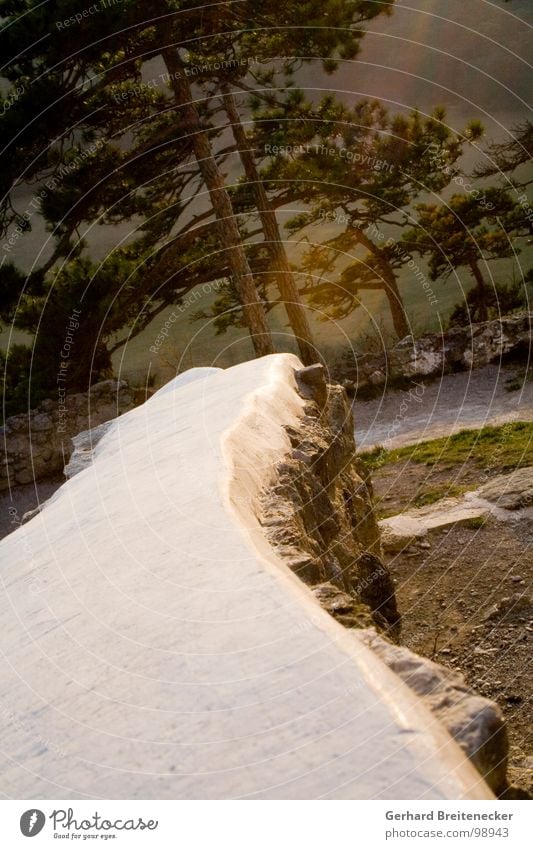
155 647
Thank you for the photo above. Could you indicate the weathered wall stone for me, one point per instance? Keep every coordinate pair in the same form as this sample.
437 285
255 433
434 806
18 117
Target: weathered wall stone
476 723
318 515
435 354
38 444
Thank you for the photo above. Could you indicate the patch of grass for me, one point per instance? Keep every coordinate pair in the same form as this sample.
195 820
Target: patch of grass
423 498
516 382
503 448
430 496
475 523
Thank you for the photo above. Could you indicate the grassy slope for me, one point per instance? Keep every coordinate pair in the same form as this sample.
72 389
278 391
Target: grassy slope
507 447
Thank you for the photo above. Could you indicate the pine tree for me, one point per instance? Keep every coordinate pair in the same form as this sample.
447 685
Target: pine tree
106 53
463 232
359 169
222 61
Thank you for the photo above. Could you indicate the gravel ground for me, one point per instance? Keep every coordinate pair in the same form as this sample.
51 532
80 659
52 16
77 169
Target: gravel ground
23 498
466 602
432 409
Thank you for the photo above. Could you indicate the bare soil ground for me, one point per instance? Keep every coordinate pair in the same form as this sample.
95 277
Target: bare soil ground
21 499
458 597
405 484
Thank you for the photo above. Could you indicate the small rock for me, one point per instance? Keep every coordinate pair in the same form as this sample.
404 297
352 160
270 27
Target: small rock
511 491
41 422
30 514
491 613
377 378
314 377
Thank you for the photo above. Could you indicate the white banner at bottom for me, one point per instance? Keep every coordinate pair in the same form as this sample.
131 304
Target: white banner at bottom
267 824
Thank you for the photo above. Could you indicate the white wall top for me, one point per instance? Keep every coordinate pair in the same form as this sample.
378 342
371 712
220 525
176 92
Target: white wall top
154 647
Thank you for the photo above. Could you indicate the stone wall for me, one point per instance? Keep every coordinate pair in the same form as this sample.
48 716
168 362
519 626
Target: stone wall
39 444
318 515
319 518
435 354
157 563
475 722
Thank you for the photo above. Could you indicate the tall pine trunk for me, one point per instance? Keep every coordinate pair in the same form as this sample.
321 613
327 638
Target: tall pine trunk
481 289
397 309
287 287
254 312
399 317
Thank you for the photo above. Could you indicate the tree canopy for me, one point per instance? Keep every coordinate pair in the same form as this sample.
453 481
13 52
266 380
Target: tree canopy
189 126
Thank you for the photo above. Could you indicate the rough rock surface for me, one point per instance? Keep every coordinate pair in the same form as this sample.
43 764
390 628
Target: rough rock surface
39 444
345 608
476 723
318 514
84 444
435 354
398 532
511 492
497 499
402 530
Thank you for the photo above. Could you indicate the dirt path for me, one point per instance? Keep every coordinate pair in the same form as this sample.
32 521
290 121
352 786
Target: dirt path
14 504
429 410
466 602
